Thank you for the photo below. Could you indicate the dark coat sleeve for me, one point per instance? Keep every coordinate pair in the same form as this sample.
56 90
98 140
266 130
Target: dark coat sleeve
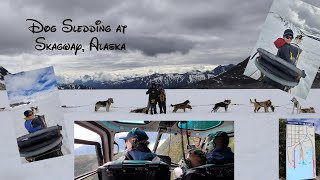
148 92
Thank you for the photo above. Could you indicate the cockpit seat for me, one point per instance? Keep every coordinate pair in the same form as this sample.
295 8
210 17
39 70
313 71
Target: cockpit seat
134 169
210 171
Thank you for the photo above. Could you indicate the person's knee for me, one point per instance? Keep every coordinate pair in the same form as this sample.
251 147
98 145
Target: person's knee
177 173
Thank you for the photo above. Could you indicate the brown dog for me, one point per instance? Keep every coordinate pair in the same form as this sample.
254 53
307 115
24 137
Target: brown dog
307 110
185 105
265 104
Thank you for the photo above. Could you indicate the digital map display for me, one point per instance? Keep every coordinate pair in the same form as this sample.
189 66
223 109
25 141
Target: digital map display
300 150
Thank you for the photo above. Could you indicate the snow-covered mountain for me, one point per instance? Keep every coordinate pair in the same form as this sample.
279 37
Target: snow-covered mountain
234 79
174 80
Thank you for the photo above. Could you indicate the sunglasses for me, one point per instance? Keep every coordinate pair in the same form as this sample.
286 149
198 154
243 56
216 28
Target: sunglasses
288 37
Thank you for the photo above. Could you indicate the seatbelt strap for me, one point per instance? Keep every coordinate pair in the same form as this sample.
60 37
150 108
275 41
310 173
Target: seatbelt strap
128 156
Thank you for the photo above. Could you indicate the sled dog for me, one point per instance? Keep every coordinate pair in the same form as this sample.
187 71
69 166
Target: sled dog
140 110
307 110
35 109
183 106
296 105
225 104
106 104
265 104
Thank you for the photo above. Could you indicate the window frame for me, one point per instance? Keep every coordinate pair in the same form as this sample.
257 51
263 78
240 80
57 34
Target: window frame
179 122
98 147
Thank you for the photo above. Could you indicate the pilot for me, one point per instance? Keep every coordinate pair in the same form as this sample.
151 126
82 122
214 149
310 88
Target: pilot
137 146
216 147
32 122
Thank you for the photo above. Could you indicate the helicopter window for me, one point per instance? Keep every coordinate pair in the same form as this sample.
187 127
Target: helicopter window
199 125
171 146
85 152
168 145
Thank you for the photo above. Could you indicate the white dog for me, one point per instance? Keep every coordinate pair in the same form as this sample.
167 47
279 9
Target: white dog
35 109
296 105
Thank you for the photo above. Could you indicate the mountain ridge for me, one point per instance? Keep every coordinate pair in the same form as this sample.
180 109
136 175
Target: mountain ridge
171 80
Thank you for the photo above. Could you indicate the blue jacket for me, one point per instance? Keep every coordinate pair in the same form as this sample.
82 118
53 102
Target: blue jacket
220 156
28 126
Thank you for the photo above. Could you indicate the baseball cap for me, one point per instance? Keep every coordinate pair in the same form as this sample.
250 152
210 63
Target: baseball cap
138 133
288 32
27 113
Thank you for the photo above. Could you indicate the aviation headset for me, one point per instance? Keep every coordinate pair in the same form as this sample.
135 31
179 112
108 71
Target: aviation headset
210 145
134 142
187 164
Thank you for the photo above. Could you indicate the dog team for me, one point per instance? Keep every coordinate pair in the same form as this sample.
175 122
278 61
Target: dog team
157 95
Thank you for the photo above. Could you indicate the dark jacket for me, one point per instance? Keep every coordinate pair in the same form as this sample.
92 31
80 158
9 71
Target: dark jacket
140 153
288 53
153 95
220 156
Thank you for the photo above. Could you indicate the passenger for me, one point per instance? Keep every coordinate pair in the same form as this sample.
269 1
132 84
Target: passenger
32 122
153 98
287 52
195 158
216 147
137 146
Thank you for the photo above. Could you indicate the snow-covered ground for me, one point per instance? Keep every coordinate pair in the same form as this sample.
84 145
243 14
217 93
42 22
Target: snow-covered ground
308 61
202 100
256 134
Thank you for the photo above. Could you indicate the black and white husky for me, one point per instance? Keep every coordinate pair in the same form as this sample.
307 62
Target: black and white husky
106 104
296 105
225 104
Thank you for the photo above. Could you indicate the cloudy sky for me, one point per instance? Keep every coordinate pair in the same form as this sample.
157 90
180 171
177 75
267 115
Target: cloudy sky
24 85
161 36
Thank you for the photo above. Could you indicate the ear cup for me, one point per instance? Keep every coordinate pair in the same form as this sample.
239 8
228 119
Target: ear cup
134 130
186 164
209 146
134 142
